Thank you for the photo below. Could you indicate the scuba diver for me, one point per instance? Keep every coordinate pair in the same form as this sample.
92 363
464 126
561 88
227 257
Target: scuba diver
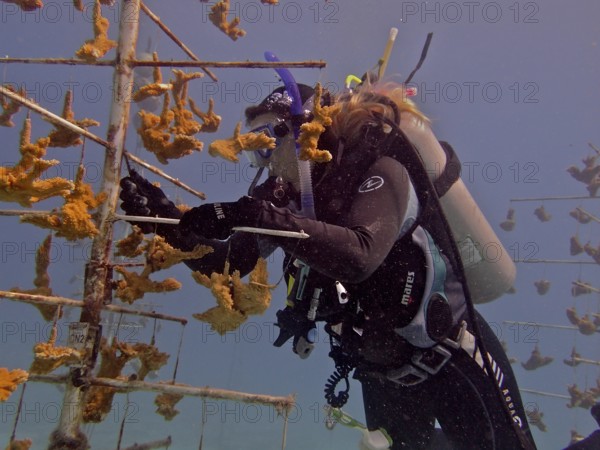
380 266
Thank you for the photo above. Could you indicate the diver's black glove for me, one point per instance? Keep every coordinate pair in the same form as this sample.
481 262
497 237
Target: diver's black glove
216 220
293 323
142 198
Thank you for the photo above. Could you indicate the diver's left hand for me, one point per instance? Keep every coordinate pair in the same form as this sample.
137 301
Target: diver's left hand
216 220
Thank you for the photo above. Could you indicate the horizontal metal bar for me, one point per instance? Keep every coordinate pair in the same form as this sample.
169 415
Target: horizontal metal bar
51 117
48 300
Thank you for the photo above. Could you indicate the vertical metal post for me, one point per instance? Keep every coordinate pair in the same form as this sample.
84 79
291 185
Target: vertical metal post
97 287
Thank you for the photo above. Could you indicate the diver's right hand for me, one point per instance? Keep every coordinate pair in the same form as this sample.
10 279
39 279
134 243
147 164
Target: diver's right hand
142 198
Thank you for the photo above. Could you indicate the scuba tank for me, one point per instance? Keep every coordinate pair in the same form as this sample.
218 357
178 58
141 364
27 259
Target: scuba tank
489 268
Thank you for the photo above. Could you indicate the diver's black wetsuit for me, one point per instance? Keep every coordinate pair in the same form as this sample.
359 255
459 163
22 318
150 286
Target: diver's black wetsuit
355 241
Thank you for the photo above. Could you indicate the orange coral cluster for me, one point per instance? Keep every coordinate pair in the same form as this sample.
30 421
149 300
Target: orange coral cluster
229 148
583 399
98 400
235 299
159 255
311 131
48 357
21 183
63 137
114 358
177 122
133 286
585 324
9 380
96 48
42 279
9 108
150 357
218 16
129 246
74 220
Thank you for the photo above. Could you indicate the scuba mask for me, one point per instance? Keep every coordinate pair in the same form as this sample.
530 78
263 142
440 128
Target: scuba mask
277 129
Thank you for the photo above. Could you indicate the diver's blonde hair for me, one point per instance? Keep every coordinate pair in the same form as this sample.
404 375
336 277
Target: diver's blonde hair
358 108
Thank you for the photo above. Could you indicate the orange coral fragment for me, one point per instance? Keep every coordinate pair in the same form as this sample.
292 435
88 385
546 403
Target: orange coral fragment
210 120
129 246
311 131
255 296
235 300
166 405
98 400
229 148
96 48
535 418
536 360
150 357
27 5
21 444
48 357
9 108
9 380
21 183
156 136
74 220
63 137
218 16
151 90
42 279
159 255
175 122
134 286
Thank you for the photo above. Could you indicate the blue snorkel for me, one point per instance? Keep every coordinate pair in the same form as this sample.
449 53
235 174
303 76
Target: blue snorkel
306 192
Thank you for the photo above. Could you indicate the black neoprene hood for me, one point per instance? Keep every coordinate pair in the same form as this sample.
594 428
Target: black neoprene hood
278 102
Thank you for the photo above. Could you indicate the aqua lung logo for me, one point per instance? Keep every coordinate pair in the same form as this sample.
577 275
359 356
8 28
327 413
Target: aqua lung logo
505 392
410 278
370 184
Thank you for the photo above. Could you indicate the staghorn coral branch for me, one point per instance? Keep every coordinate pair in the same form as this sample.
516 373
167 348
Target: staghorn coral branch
175 39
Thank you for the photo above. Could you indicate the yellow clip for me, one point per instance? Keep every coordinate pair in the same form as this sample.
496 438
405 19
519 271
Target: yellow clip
349 79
